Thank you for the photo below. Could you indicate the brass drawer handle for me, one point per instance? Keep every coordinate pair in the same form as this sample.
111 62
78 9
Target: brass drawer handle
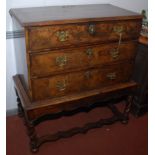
118 29
62 35
91 29
61 61
111 76
61 85
89 52
114 53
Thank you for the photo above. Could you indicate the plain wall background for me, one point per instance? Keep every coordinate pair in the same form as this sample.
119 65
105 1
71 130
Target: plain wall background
136 6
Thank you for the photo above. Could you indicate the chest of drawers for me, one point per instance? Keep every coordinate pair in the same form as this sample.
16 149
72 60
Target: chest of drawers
72 56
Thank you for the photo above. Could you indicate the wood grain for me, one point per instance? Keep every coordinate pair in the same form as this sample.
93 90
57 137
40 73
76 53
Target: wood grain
75 82
75 56
70 14
45 63
46 38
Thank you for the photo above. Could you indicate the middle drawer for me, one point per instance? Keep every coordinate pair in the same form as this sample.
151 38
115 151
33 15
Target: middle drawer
44 64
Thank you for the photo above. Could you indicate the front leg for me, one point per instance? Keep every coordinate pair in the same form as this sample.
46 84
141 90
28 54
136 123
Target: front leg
33 136
30 127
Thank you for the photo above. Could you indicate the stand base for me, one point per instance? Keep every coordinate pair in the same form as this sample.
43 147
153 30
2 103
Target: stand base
35 142
26 110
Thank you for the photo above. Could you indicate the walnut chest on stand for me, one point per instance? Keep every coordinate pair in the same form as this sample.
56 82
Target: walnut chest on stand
72 57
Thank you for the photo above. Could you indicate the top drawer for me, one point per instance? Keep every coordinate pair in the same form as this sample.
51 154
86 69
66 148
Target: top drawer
56 36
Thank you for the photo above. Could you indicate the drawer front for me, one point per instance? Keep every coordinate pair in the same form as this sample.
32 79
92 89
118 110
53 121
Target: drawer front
75 82
57 61
56 36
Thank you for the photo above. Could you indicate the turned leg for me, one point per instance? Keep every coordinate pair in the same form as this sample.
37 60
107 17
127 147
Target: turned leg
33 137
127 109
20 109
30 126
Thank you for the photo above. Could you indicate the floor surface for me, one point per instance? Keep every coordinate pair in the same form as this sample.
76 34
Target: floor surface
115 139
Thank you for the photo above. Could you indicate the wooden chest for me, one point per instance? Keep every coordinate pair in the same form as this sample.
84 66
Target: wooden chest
73 56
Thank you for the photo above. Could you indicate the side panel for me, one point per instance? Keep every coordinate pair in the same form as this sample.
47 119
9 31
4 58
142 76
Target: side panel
21 55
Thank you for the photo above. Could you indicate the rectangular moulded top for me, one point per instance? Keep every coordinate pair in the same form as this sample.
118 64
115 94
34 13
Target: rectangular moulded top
49 15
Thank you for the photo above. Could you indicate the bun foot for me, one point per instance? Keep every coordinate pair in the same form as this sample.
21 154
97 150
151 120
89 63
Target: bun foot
34 149
125 121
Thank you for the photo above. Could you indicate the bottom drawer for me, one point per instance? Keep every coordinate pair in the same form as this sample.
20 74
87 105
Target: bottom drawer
63 84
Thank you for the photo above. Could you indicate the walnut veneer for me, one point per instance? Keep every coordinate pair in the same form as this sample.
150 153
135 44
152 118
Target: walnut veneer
71 57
